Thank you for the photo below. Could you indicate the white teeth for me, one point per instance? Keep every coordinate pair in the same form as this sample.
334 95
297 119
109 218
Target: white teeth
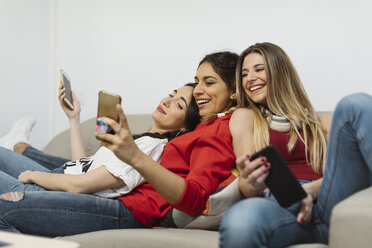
255 87
202 101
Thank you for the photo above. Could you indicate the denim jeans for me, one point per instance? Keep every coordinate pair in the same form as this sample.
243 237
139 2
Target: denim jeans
51 213
46 160
11 165
258 222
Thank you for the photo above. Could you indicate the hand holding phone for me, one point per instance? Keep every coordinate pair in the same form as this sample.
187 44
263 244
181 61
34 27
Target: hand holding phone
67 84
281 181
107 107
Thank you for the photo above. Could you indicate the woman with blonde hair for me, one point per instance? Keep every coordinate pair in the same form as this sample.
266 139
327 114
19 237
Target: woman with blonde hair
285 97
276 110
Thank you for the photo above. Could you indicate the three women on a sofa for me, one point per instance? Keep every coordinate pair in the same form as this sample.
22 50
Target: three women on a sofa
191 168
266 80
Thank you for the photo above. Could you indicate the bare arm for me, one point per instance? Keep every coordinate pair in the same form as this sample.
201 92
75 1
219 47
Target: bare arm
76 138
94 181
241 128
313 188
252 174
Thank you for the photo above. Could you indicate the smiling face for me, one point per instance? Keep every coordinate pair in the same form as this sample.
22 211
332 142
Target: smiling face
171 112
211 92
254 78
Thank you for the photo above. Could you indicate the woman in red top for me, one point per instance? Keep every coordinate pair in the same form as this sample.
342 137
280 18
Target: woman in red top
192 166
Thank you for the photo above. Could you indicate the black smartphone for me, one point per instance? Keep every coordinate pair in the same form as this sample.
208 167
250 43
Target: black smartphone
281 181
67 84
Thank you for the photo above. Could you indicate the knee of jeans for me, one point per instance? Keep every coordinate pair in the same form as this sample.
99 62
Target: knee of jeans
242 223
245 215
354 103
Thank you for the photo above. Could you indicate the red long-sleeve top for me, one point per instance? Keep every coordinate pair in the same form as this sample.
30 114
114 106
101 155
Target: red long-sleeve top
203 157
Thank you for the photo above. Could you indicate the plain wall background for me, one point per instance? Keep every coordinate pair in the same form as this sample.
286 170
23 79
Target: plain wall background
143 49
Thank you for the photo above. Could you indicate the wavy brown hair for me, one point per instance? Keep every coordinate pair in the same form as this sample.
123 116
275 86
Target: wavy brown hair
286 97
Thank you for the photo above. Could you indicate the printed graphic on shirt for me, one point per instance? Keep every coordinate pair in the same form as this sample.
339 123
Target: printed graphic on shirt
84 163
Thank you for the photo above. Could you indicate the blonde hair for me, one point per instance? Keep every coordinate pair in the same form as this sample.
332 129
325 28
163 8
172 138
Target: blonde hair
285 97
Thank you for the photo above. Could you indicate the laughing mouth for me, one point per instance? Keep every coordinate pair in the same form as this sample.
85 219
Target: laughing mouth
256 87
202 101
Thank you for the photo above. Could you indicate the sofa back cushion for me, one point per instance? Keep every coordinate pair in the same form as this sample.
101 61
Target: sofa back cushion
60 145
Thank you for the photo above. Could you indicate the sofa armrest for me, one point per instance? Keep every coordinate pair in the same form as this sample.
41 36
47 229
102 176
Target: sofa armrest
351 221
60 145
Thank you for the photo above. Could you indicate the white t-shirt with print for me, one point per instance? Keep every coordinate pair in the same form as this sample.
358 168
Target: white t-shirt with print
153 147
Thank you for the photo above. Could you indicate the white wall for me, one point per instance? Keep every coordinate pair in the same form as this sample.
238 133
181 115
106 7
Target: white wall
142 49
26 64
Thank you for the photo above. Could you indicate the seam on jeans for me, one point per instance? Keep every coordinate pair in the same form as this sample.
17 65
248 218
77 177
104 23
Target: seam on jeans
41 159
363 144
53 209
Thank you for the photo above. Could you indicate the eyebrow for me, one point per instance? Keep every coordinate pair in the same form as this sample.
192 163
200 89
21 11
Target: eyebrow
206 77
182 98
245 69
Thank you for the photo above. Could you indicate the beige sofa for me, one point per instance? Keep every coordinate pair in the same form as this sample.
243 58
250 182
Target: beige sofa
350 224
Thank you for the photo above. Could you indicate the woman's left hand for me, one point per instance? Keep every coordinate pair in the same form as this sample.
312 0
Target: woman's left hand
121 143
25 177
304 216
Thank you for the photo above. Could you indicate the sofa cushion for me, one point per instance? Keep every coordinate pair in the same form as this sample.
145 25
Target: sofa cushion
351 220
60 145
147 238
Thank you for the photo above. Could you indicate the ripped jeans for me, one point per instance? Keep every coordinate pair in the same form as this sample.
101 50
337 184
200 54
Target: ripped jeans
52 213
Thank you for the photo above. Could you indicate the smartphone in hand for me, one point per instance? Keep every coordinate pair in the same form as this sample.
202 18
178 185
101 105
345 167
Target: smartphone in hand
67 84
281 181
107 108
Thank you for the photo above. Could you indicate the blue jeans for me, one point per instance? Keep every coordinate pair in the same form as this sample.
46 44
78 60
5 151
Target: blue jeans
258 222
11 165
51 213
46 160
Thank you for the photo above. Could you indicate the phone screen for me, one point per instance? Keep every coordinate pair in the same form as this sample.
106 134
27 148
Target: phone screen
68 88
67 85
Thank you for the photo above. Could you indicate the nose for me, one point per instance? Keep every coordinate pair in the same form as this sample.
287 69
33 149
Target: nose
166 101
198 90
251 76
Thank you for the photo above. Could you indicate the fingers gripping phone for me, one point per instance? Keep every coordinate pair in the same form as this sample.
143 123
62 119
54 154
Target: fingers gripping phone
107 108
67 84
281 181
